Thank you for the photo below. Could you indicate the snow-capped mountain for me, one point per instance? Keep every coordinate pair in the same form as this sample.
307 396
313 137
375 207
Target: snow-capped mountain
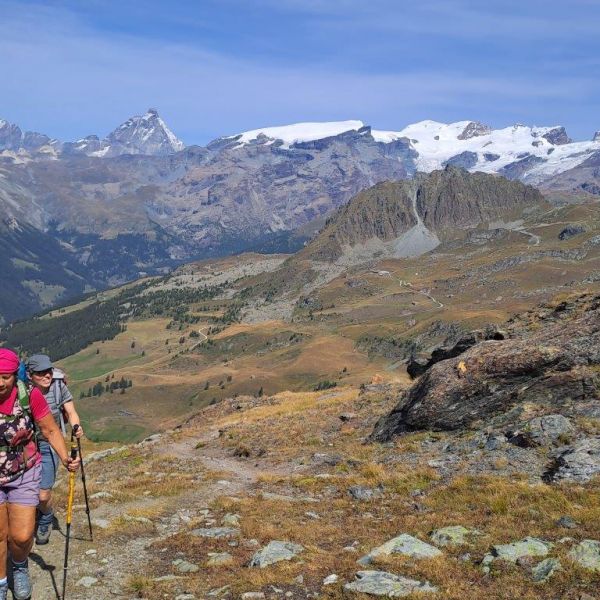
531 154
146 135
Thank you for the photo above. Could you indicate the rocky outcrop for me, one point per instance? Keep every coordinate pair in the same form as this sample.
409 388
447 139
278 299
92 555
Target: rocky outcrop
474 129
436 203
553 364
558 136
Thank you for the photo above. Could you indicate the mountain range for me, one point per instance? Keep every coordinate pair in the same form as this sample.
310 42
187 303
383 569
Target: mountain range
84 215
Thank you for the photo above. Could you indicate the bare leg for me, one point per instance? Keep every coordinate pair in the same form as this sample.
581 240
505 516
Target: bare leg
45 505
3 538
21 523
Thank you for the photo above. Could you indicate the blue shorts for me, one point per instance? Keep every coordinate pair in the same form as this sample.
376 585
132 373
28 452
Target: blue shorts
49 465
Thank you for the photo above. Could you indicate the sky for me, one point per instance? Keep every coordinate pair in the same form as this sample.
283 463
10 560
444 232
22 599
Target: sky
218 67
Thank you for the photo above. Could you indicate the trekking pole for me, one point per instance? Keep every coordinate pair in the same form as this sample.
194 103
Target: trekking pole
87 503
69 514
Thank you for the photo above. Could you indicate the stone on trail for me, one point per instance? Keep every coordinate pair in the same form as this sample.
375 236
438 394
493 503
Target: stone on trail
185 597
274 552
528 547
567 522
100 495
215 532
183 566
219 559
545 569
404 544
101 523
359 492
253 596
381 583
330 579
587 555
87 581
231 520
453 535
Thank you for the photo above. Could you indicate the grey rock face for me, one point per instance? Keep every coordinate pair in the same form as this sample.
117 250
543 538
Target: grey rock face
474 129
545 431
491 157
274 552
596 137
557 136
183 566
364 493
545 569
381 583
404 544
579 462
453 535
571 231
528 547
587 555
464 160
552 366
216 532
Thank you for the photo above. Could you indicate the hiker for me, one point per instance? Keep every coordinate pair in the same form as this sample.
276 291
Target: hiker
21 409
51 382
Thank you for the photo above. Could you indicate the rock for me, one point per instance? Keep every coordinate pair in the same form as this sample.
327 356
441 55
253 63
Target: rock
274 552
299 579
549 365
99 495
567 522
87 581
101 523
527 547
215 532
544 431
231 520
143 520
453 535
253 596
330 579
404 544
545 569
348 416
361 493
587 555
219 559
91 552
183 566
380 583
570 231
331 460
579 462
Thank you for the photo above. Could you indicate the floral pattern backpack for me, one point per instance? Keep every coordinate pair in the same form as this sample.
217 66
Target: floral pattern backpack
18 448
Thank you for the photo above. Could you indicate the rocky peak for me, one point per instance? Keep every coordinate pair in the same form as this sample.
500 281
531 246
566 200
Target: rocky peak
474 129
596 137
146 134
558 136
13 138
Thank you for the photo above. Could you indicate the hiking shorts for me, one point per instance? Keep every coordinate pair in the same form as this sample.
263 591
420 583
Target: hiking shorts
49 465
25 490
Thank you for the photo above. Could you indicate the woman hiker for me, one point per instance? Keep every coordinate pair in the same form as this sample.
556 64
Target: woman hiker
21 409
50 382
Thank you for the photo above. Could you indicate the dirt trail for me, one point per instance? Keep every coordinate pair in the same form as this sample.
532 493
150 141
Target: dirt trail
112 565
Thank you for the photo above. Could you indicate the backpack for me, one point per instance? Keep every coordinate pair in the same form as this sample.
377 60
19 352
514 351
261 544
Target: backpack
17 432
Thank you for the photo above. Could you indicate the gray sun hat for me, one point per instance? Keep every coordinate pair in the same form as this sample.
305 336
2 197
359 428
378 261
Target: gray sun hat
38 362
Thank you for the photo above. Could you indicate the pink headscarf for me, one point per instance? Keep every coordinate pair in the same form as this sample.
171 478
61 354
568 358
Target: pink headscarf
9 361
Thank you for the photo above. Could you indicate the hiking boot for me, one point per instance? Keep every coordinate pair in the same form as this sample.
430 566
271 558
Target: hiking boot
42 535
44 528
22 587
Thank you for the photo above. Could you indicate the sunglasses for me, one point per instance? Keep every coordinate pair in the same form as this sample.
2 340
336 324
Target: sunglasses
43 373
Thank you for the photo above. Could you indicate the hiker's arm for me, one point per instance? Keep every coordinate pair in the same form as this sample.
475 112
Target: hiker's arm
52 433
72 417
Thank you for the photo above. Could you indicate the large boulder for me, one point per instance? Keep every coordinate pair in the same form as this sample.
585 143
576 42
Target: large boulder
578 462
552 362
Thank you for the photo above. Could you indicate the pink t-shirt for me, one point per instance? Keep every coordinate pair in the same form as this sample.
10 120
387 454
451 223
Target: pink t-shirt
39 409
37 404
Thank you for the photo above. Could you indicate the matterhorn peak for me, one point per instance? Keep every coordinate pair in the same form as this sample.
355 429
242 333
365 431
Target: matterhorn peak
146 134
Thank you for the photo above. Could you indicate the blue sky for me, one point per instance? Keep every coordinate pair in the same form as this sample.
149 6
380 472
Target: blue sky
214 67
